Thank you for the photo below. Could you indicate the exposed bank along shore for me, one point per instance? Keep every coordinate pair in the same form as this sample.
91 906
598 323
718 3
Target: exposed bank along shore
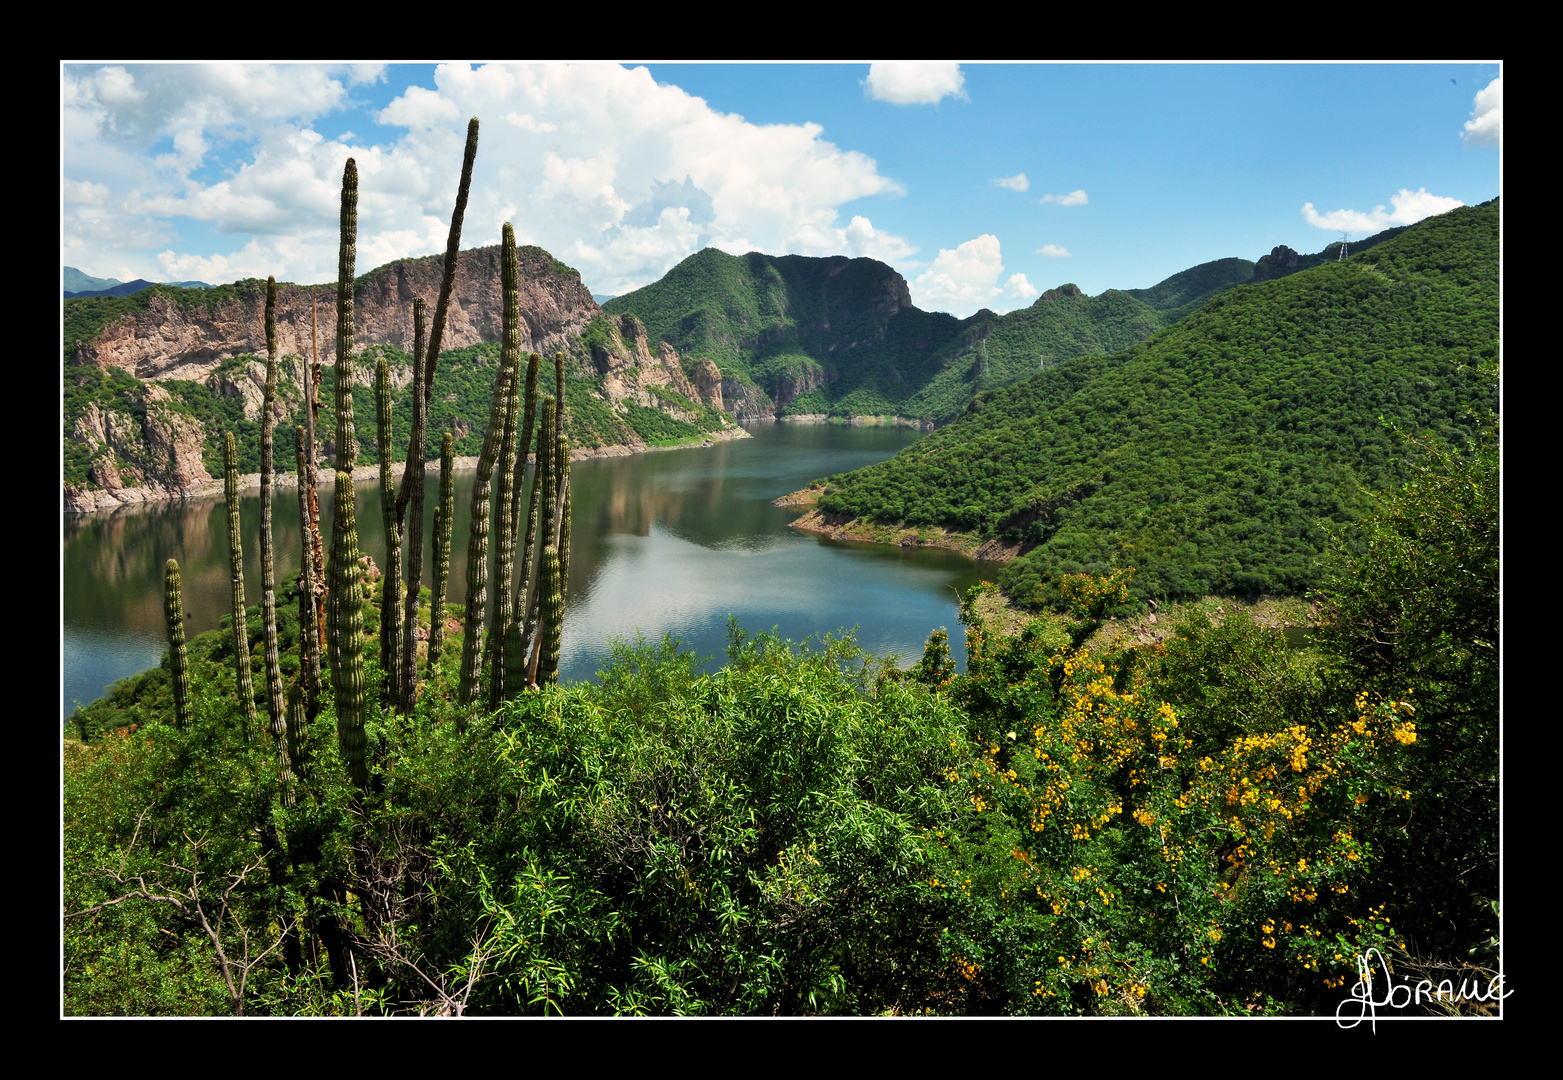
98 501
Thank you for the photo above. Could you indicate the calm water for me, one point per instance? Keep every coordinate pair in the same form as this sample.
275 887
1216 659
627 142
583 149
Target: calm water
665 542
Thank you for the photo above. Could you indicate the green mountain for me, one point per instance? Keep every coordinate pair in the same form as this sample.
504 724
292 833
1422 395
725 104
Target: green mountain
1213 456
75 281
78 284
793 334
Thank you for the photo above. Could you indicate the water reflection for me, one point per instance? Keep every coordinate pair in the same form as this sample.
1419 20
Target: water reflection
672 541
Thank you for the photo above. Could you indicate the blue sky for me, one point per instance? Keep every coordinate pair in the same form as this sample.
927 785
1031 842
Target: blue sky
981 183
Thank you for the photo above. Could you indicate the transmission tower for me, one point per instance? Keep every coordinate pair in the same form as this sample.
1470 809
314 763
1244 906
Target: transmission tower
984 349
1344 238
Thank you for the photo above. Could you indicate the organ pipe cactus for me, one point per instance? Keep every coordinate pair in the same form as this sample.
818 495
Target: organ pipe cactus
504 516
443 513
314 546
298 732
390 579
308 595
274 704
452 244
412 477
178 662
347 259
347 677
241 642
347 599
515 647
412 521
542 505
552 603
477 541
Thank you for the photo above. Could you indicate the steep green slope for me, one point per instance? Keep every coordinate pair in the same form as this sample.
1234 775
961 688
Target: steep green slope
1211 456
840 336
1062 324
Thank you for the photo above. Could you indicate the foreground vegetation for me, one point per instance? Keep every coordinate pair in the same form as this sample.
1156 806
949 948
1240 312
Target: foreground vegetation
1216 824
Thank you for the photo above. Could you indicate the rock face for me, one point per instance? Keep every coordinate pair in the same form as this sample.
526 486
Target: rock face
708 383
1059 293
630 370
147 451
186 335
1275 264
138 458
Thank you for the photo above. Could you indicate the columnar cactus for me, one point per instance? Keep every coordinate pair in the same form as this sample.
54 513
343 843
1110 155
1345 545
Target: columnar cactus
552 604
504 516
391 578
452 245
241 641
347 598
347 676
477 542
443 513
347 259
298 755
412 519
308 595
314 545
542 512
515 648
274 704
178 662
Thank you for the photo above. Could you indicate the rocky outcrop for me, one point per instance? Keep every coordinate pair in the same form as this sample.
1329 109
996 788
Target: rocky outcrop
632 371
186 334
708 384
745 401
1276 264
1059 293
148 454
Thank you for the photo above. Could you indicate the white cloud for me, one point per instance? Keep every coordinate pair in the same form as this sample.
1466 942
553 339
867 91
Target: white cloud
1054 251
85 192
965 279
1018 288
1078 197
1018 182
861 240
1485 126
1409 208
528 123
905 83
615 174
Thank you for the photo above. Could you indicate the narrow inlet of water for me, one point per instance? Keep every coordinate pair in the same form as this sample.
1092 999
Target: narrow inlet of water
670 542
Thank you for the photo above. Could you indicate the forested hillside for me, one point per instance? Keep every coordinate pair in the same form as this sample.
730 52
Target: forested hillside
797 335
1214 455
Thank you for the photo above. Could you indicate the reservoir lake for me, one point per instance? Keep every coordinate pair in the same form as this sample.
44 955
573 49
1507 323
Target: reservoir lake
670 542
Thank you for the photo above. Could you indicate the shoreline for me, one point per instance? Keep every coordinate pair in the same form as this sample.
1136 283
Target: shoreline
101 501
841 527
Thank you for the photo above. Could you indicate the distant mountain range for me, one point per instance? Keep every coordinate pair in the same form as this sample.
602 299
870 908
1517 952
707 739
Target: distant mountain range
79 284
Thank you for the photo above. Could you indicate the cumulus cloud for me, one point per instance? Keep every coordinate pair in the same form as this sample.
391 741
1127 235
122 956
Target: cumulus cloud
1054 251
1409 208
1018 288
1485 126
1077 197
1018 182
905 83
613 173
966 279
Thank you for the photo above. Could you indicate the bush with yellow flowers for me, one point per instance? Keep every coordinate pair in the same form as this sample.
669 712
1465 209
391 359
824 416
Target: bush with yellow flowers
1113 860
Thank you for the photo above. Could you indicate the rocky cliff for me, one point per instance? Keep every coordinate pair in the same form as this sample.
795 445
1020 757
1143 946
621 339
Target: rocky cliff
127 439
186 334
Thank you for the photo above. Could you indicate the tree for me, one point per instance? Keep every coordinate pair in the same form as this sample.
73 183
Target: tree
1414 605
